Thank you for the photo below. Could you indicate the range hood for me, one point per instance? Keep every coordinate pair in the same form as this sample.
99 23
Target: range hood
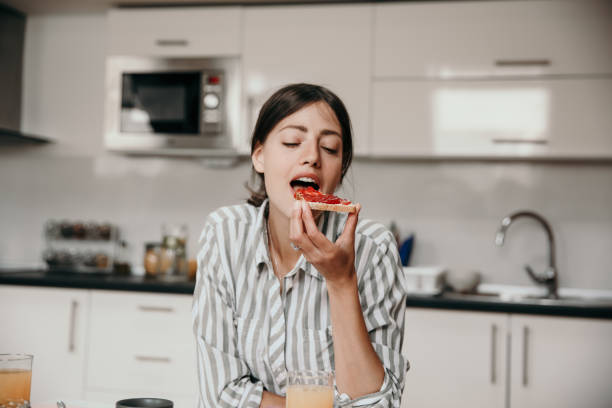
12 35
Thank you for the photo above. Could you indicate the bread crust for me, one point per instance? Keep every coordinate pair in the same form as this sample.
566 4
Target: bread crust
349 208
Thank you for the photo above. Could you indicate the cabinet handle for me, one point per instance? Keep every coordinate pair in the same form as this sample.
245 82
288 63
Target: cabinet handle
163 309
525 354
524 63
73 311
250 112
172 43
493 353
153 359
521 141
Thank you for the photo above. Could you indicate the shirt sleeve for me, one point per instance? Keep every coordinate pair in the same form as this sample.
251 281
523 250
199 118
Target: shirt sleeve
382 293
224 378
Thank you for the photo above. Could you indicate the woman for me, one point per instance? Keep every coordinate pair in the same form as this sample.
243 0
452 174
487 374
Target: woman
281 288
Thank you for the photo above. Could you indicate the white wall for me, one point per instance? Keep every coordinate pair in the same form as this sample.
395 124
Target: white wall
454 208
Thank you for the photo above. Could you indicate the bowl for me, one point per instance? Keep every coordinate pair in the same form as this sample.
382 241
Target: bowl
463 281
144 403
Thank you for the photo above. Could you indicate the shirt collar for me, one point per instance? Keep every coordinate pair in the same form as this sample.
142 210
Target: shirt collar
260 235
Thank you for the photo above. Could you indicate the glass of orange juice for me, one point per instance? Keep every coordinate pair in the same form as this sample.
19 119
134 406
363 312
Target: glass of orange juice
310 389
15 380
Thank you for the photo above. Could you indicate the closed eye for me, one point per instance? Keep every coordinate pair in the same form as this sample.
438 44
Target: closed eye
290 144
330 150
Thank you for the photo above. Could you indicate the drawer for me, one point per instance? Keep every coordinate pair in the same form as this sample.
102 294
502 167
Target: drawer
141 342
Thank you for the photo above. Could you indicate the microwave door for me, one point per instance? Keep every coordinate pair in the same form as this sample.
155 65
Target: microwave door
161 103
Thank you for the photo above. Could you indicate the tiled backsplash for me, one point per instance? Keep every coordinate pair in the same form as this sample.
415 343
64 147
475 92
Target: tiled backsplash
453 208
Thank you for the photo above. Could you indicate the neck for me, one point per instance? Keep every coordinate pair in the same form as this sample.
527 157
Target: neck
282 255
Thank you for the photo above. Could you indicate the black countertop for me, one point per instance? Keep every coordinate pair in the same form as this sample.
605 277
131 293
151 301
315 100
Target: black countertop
178 285
455 301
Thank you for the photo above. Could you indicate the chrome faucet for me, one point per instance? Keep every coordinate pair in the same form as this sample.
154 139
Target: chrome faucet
550 276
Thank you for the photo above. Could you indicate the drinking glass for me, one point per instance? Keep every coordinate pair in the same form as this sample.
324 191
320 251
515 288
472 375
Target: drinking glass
15 380
310 389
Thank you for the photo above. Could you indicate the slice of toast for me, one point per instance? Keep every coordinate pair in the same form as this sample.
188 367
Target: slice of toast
350 208
316 203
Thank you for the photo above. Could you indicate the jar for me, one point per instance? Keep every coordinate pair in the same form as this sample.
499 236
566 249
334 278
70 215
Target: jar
173 259
152 258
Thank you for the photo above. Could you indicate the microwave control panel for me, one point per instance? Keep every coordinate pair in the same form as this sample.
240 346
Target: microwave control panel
213 103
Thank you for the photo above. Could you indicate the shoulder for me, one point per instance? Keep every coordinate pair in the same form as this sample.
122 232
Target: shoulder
232 214
375 247
229 217
375 232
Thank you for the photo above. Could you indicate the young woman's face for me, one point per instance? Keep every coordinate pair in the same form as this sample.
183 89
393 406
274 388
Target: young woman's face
306 145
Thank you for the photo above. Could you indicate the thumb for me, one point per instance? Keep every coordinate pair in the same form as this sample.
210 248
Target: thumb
348 235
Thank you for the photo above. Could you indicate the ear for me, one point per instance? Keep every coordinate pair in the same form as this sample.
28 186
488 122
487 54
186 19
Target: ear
258 158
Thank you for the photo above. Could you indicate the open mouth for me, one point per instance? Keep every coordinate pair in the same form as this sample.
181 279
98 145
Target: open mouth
304 182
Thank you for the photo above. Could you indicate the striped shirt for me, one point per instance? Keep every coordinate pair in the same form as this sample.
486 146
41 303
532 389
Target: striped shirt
250 330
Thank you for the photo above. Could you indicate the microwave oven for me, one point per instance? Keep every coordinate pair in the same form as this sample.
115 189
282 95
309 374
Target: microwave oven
172 106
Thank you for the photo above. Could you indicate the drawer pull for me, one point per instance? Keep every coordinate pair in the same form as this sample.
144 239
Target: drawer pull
73 314
152 359
525 354
524 63
493 353
172 43
521 141
156 309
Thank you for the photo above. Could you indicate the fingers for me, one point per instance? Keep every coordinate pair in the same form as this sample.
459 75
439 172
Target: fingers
318 239
295 223
297 234
304 233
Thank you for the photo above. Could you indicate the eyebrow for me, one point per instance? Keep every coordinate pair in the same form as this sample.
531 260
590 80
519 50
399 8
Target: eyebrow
324 132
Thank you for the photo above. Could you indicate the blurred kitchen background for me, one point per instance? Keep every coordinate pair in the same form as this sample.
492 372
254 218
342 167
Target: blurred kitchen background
452 205
463 112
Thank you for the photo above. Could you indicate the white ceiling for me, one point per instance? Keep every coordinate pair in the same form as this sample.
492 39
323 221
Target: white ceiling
87 6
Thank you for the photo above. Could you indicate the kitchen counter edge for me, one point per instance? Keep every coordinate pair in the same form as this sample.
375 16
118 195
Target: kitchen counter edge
104 282
186 287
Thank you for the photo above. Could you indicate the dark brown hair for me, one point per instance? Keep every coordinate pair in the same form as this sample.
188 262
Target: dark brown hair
285 102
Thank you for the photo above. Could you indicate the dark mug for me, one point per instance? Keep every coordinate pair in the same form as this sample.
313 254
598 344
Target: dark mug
144 403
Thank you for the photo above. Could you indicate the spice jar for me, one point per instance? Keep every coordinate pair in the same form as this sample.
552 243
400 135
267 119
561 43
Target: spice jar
173 259
152 258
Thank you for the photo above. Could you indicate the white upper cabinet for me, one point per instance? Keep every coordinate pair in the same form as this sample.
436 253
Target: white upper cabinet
175 32
560 362
529 118
325 45
504 38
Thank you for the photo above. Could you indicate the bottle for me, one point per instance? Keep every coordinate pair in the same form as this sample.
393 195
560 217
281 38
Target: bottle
173 251
121 266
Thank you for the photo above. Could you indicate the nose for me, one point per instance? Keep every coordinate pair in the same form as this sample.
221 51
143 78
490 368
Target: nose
311 154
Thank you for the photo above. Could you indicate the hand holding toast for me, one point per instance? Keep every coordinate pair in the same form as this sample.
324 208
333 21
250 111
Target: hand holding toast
334 260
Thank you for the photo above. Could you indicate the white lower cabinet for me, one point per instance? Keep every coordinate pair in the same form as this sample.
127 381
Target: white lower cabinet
469 359
456 359
102 346
51 324
561 362
141 345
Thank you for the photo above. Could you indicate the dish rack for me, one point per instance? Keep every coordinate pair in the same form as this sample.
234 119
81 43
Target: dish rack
77 247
